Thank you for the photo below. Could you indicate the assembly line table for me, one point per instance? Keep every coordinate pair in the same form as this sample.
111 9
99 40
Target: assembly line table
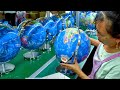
31 69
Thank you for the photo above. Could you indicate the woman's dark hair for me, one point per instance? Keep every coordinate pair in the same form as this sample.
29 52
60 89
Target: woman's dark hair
114 17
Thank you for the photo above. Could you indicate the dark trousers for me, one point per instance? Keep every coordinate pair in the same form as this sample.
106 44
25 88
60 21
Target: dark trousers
10 17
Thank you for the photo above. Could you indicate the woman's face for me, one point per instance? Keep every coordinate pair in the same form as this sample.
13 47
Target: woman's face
103 35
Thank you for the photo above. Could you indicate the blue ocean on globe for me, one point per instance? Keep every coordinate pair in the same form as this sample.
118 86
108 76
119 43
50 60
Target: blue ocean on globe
72 40
82 17
33 36
9 43
90 16
68 20
71 21
58 21
50 27
73 13
87 19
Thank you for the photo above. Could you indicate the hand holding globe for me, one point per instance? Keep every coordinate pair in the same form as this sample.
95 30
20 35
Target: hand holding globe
71 43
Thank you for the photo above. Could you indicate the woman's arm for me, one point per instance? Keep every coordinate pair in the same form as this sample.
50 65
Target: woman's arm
94 42
82 75
75 68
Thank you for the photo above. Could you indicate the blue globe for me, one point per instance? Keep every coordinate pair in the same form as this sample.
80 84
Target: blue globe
73 13
82 17
22 24
9 43
87 19
50 26
90 16
51 29
68 20
69 43
6 24
59 22
33 35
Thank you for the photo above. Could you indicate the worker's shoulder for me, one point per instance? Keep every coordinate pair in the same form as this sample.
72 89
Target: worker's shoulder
114 62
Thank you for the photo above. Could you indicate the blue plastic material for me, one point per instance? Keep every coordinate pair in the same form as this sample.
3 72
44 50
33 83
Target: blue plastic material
72 15
9 43
6 24
33 36
21 25
68 20
72 20
51 28
58 21
66 44
90 16
82 17
87 19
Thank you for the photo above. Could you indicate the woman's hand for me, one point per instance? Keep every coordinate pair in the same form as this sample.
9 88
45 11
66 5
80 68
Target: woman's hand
74 67
94 42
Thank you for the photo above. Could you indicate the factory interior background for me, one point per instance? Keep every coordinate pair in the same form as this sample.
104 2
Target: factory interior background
34 43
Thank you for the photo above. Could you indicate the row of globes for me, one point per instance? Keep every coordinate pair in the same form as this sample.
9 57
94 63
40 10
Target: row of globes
33 34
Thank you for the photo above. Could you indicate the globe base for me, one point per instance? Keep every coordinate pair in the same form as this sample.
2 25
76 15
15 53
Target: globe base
31 55
45 47
6 68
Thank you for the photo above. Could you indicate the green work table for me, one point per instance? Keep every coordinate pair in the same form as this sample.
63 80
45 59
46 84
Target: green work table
44 65
50 68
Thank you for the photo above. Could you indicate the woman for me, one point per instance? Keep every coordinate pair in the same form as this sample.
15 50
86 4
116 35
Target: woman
106 60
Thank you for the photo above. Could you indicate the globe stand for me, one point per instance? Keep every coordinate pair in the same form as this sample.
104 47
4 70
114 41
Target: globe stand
42 48
31 55
53 40
6 68
47 46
